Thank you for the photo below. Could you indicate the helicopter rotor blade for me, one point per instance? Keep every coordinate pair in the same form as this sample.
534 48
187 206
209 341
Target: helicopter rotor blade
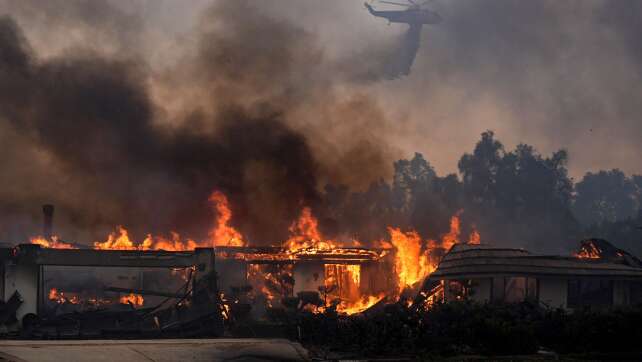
392 3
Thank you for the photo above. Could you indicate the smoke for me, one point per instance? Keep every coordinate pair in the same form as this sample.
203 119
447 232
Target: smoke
245 108
132 112
554 74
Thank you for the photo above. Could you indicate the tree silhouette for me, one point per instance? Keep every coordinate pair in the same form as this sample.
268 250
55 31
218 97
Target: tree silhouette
605 196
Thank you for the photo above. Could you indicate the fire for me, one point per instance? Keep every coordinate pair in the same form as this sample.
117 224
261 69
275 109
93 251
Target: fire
136 300
175 244
414 259
117 241
589 252
72 298
223 234
60 298
343 283
411 262
54 243
272 281
361 305
305 233
475 238
452 237
120 240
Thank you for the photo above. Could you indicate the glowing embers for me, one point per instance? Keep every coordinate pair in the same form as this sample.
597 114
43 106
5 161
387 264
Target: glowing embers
132 299
272 282
589 250
60 297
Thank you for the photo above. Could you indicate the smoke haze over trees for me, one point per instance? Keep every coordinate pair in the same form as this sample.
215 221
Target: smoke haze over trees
132 112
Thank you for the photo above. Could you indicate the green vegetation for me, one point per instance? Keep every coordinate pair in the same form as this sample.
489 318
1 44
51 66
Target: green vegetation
477 329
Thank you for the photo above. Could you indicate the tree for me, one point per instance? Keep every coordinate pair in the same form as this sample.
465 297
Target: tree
479 170
519 196
411 177
605 196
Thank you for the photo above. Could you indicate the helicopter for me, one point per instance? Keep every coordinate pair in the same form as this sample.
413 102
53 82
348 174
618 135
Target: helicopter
414 14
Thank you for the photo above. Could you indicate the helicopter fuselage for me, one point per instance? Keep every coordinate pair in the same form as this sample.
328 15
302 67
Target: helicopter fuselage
409 16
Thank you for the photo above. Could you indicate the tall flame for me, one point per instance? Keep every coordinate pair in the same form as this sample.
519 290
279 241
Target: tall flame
223 234
304 233
411 262
452 237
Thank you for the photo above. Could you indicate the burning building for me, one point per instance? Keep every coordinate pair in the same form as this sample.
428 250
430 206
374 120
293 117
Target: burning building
66 293
598 275
159 279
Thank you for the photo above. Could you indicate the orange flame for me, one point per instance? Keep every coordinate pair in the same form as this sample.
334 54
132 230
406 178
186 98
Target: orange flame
117 241
411 262
589 251
360 305
343 282
475 238
136 300
175 244
120 240
60 298
223 234
452 237
54 243
414 258
304 233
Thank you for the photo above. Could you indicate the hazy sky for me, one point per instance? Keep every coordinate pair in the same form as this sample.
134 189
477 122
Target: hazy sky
554 74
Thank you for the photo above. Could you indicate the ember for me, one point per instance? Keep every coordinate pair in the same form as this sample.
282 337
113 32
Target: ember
60 298
132 299
589 251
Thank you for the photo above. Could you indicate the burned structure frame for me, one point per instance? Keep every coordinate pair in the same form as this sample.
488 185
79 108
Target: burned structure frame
22 287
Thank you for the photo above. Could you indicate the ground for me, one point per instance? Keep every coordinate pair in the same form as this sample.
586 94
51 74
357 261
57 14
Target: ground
194 350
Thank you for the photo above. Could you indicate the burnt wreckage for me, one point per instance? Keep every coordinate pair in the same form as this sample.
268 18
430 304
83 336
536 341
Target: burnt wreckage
73 292
88 308
86 293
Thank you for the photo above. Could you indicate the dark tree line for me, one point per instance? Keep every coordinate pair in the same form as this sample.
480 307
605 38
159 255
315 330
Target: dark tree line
513 197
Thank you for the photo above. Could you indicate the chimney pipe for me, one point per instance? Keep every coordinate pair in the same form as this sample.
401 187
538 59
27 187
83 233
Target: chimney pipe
47 227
